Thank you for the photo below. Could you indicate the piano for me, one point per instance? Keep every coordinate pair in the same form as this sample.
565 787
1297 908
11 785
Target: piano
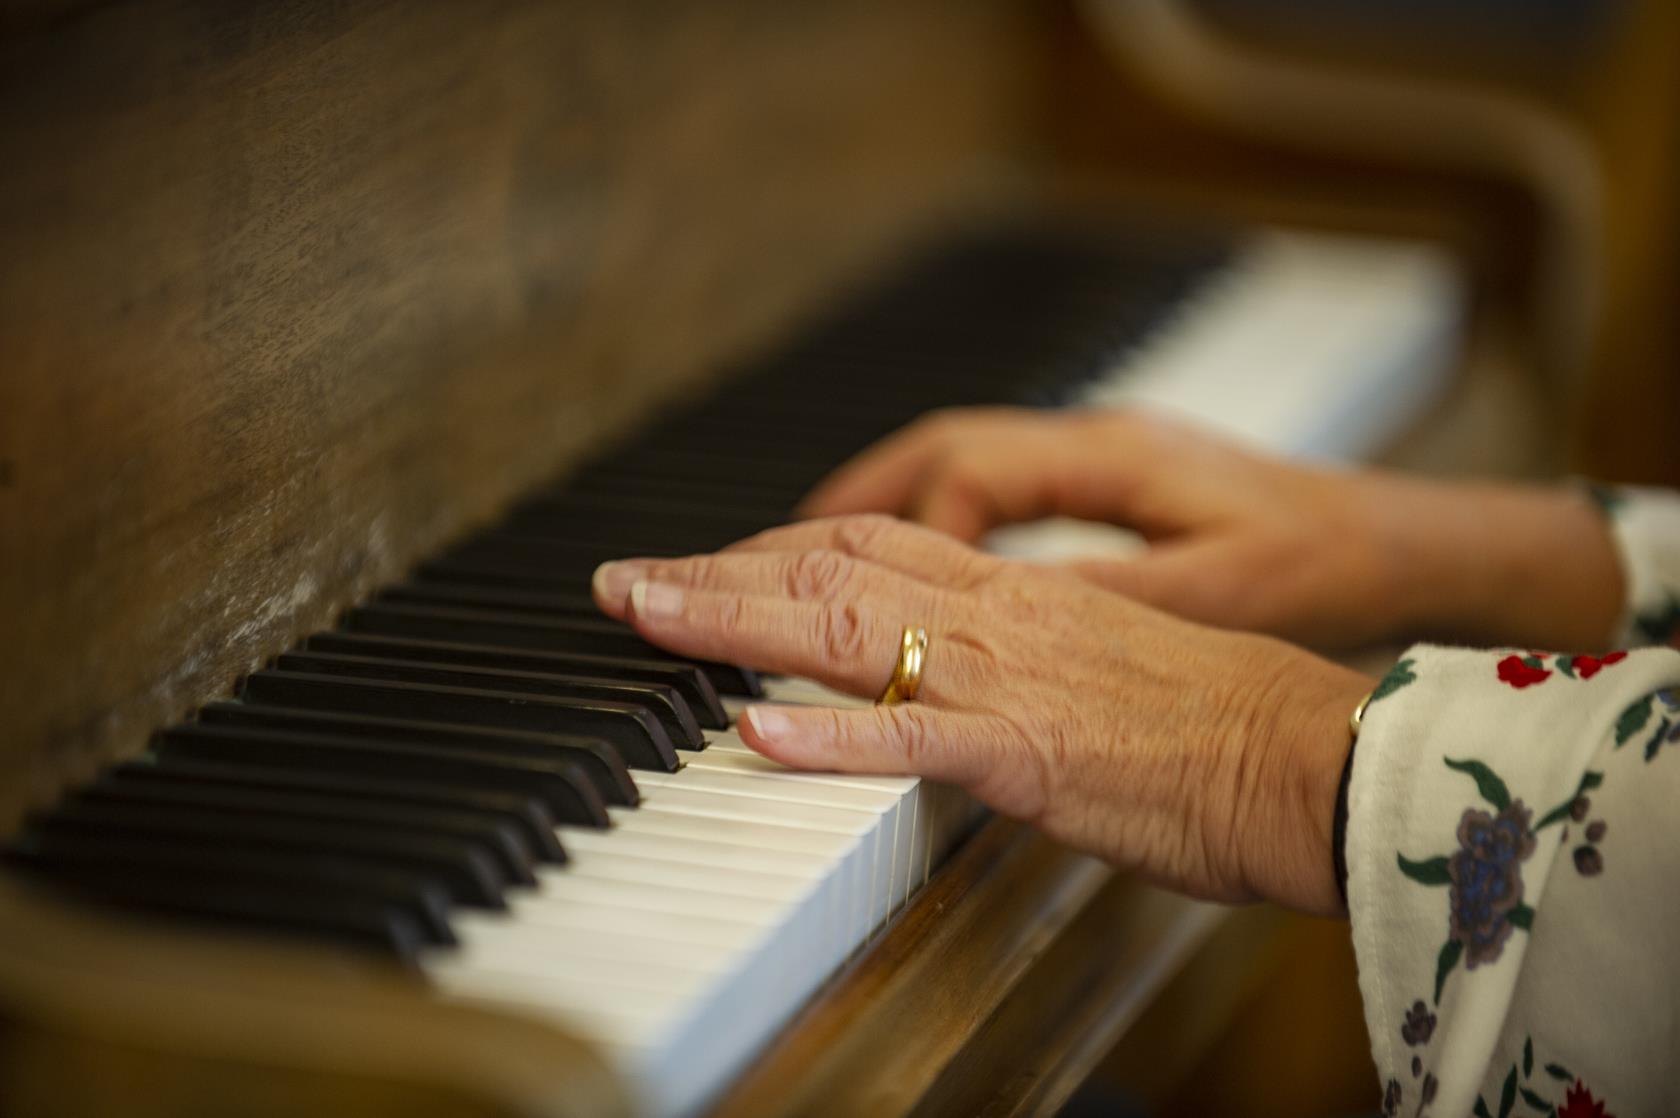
432 784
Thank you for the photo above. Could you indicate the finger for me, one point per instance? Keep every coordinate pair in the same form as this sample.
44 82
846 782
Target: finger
884 477
1007 472
1193 581
964 497
908 549
844 645
1048 469
817 575
908 739
1102 466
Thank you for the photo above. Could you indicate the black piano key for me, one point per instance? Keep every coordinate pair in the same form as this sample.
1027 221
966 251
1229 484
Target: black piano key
549 565
235 734
469 871
350 921
662 702
561 577
801 450
633 731
774 500
469 596
538 634
551 556
573 514
513 857
69 856
577 774
621 536
527 814
704 465
687 679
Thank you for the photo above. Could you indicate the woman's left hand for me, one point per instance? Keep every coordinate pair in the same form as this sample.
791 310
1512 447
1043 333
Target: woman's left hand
1207 760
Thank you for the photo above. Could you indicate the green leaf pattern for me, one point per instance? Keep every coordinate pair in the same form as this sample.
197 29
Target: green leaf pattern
1430 871
1493 789
1400 675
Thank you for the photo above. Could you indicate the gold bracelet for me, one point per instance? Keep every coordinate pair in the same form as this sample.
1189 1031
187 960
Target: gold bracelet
1357 718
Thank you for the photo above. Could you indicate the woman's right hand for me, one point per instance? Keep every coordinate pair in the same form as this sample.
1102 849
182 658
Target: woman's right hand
1328 557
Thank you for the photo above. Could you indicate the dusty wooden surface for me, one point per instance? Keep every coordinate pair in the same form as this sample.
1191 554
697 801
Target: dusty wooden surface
291 292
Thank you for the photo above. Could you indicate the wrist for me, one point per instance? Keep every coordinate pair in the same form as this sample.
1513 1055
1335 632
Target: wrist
1291 855
1496 564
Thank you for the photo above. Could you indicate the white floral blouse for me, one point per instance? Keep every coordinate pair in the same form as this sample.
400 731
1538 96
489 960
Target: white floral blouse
1513 863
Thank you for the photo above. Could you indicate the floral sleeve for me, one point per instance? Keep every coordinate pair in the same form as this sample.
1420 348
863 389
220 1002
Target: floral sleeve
1513 856
1646 527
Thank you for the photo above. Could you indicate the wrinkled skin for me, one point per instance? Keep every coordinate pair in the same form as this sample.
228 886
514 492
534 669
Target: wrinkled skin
1208 760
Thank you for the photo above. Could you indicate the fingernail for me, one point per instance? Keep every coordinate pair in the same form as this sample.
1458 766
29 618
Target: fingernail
613 581
768 723
656 599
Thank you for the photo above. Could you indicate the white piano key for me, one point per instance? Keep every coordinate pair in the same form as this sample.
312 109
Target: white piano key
862 826
615 1014
703 852
843 851
650 971
728 754
625 939
559 889
627 853
616 920
615 865
1312 344
883 806
913 872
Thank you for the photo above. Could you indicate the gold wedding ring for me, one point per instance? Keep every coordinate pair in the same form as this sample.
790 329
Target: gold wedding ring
907 676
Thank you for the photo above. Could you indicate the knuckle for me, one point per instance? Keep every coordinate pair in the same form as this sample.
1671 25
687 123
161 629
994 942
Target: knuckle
1031 758
1021 593
958 470
820 575
973 665
962 476
943 422
728 616
866 534
842 633
914 732
828 726
699 570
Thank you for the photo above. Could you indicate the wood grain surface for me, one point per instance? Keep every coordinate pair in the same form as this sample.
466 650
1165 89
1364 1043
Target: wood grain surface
291 292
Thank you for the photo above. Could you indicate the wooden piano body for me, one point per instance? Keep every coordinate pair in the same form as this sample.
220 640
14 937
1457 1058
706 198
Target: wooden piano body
293 293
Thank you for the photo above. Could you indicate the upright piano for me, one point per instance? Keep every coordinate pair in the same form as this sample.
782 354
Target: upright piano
343 341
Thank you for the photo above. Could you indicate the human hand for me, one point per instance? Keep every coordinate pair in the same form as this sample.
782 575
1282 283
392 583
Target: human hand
1207 760
1336 558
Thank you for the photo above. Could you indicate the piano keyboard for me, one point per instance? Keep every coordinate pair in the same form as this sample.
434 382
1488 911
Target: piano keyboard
477 775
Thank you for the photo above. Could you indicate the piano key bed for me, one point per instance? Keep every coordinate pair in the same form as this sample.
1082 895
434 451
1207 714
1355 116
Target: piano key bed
479 776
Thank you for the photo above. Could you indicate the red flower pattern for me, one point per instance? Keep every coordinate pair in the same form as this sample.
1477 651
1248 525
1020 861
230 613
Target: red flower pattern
1589 666
1530 669
1519 673
1579 1103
